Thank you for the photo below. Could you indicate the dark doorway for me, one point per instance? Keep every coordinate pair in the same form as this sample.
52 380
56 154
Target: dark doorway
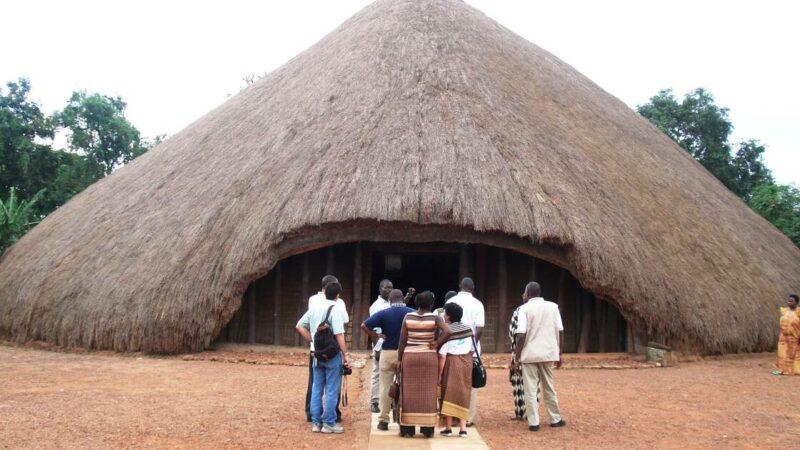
435 271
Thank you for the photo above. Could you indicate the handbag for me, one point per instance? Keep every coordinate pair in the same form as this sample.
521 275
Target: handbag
394 389
478 371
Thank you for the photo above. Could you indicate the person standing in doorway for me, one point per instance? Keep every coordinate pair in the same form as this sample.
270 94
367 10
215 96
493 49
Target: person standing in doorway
382 302
313 301
390 321
327 374
540 336
474 316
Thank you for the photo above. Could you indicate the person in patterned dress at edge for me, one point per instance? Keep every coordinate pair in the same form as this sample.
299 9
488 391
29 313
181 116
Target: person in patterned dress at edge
455 371
381 303
475 317
314 300
515 377
788 362
418 363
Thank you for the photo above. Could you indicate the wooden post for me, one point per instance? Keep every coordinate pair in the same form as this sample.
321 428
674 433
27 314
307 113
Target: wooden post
233 325
562 290
305 290
355 318
586 324
502 305
251 314
330 263
602 321
479 272
463 262
366 292
276 298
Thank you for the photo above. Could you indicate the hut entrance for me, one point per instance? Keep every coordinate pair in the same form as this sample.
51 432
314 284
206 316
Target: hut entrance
272 304
433 268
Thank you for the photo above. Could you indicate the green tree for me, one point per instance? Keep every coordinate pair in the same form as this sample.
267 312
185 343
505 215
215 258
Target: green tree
780 204
99 130
702 128
16 217
26 160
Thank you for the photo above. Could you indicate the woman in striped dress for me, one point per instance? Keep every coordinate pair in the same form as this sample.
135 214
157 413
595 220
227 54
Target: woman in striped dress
419 367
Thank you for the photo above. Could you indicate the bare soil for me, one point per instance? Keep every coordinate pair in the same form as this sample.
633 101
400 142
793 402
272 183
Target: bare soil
254 398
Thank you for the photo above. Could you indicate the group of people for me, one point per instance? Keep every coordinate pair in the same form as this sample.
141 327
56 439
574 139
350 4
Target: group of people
423 359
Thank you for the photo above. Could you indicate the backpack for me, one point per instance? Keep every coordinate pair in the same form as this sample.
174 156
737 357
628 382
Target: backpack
325 345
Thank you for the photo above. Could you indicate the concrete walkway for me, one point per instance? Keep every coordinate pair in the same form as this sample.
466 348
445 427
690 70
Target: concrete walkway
380 440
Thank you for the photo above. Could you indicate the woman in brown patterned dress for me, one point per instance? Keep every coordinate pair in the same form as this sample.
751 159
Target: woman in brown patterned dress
419 367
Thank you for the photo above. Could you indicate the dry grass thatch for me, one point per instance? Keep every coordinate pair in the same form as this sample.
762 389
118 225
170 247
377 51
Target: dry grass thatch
414 112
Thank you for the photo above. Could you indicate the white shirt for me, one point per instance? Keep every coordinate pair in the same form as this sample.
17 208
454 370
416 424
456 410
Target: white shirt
319 299
474 315
541 321
457 347
378 305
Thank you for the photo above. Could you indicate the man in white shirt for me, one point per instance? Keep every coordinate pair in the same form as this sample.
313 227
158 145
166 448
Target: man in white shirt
475 317
539 341
381 303
340 308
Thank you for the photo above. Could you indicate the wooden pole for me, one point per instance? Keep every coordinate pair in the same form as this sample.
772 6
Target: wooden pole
330 263
562 290
366 292
355 320
602 322
463 262
502 305
586 324
251 314
276 298
305 290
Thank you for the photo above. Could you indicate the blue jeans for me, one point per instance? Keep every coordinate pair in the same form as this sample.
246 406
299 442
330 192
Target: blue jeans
327 377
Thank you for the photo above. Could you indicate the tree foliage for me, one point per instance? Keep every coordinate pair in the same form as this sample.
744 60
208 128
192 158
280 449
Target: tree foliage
703 129
41 178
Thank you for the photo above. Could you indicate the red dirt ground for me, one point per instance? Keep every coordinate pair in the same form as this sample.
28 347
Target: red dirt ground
51 399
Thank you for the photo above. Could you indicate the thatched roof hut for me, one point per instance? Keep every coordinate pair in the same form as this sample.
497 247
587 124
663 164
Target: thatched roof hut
414 121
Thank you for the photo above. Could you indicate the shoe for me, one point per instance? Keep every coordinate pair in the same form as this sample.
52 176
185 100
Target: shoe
374 408
462 434
559 424
470 424
316 428
533 427
447 432
383 426
332 429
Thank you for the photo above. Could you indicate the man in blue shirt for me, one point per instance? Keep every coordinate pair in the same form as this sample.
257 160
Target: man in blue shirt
390 321
327 374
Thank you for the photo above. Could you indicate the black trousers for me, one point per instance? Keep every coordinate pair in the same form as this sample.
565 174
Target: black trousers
308 392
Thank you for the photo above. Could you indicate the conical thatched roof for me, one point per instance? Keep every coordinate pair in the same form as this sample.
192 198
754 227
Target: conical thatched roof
413 120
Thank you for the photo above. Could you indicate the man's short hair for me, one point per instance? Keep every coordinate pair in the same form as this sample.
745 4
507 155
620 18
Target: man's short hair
454 311
533 289
794 296
384 281
467 285
425 300
449 295
332 290
328 279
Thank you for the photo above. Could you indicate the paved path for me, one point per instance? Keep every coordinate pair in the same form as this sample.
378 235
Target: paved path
381 440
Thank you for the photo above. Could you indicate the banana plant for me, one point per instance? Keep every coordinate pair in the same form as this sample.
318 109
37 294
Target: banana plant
15 217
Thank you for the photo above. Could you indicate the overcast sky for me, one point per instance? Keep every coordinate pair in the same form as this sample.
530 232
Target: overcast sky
173 61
